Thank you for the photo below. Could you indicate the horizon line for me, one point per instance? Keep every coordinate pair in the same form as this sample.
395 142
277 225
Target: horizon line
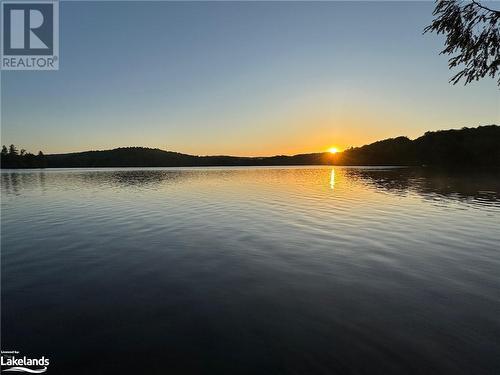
260 156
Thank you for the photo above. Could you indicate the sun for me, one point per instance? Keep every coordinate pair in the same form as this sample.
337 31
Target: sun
333 150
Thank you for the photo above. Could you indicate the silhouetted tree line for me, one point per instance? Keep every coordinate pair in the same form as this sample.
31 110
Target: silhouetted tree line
12 158
465 147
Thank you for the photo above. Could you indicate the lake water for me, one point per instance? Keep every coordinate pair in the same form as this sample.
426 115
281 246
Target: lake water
252 270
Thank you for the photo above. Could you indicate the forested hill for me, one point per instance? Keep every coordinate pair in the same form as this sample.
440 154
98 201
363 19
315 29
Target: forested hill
465 147
468 146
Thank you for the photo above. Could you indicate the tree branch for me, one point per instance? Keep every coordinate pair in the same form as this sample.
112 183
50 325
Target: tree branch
485 8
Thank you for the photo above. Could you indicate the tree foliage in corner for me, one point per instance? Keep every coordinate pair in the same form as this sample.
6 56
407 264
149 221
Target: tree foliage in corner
472 35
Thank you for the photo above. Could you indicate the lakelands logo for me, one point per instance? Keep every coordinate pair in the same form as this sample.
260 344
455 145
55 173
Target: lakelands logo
30 35
11 361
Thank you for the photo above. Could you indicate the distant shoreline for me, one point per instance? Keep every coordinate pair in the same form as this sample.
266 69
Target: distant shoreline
225 167
435 168
464 147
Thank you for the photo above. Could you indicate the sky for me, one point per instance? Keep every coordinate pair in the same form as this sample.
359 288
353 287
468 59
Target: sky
240 78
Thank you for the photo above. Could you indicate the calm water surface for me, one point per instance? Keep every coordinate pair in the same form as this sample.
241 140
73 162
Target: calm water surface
252 270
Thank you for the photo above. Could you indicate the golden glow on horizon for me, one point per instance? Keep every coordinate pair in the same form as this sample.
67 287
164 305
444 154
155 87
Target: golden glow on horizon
333 150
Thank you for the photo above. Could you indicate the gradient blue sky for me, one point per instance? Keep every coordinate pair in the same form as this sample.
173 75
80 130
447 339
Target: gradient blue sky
243 78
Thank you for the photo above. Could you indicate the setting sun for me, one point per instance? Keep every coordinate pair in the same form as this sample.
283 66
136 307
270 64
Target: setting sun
333 150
